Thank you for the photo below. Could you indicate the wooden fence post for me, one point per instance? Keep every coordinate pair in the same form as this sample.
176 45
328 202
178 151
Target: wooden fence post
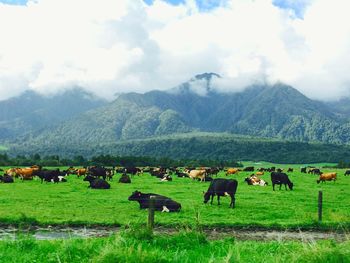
320 200
151 213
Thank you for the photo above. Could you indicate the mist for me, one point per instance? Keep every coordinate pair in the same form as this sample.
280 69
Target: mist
116 46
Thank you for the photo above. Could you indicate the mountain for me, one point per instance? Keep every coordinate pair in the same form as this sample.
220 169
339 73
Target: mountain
262 111
31 112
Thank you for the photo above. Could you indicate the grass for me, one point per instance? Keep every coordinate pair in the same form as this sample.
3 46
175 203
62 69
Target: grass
141 246
72 203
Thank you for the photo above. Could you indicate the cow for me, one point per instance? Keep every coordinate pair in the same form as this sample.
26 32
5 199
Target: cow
7 179
303 170
290 170
248 169
81 171
280 178
125 179
221 187
166 178
327 177
194 174
279 170
161 203
180 174
347 172
133 170
231 171
97 171
254 180
27 173
109 174
314 171
212 171
259 173
97 183
54 176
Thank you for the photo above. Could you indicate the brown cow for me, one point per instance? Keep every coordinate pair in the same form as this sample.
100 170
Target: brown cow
232 171
81 171
194 174
259 173
327 177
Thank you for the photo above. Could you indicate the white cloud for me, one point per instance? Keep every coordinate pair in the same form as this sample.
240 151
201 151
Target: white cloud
113 46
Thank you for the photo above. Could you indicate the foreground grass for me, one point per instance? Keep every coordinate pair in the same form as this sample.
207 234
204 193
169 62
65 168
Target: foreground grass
140 246
31 202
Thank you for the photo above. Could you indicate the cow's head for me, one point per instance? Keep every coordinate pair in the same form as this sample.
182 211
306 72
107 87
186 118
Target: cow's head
206 197
290 185
135 196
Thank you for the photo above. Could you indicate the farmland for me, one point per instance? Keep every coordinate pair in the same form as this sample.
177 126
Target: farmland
73 203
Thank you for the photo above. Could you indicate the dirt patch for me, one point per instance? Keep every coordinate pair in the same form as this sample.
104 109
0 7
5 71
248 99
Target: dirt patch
56 232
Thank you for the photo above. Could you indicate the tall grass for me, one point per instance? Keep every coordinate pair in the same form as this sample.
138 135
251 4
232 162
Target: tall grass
138 245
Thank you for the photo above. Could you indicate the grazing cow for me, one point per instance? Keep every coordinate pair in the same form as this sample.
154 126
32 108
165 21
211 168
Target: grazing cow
290 170
81 171
281 178
259 173
248 169
212 171
109 174
161 203
232 171
254 180
7 179
125 179
221 187
97 183
314 171
347 172
26 173
327 177
279 170
194 174
303 170
97 171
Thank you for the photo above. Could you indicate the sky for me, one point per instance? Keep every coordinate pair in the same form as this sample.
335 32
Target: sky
114 46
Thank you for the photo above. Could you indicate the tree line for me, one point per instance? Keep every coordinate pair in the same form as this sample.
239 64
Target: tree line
107 160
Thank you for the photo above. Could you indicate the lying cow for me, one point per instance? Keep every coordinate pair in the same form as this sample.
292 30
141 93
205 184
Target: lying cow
254 180
281 178
166 178
195 174
232 171
161 203
221 187
7 179
125 179
97 183
327 177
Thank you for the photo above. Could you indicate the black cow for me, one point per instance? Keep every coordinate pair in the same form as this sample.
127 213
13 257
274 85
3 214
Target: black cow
132 170
97 171
125 179
49 175
249 169
280 178
221 187
347 172
303 170
290 170
161 203
97 183
7 179
180 174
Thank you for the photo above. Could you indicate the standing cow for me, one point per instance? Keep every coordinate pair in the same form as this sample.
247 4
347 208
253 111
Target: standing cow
221 187
280 178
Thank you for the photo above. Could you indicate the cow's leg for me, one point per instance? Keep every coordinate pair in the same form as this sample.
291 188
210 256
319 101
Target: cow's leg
273 186
285 185
212 199
280 186
218 199
232 201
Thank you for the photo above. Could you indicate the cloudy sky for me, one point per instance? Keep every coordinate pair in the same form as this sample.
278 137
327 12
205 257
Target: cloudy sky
113 46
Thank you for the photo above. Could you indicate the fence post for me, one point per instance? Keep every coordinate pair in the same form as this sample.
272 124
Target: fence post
151 213
320 200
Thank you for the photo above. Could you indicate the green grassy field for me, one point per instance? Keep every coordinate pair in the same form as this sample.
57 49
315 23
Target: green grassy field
74 203
138 246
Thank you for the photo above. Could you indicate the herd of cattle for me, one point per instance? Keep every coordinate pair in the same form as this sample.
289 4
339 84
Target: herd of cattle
98 178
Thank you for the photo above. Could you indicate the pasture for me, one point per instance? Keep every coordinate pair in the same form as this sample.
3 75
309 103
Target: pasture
73 203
